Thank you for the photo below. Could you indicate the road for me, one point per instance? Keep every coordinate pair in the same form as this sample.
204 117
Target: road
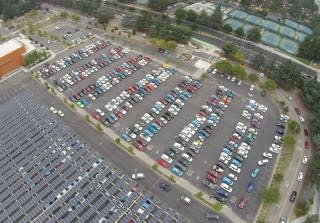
290 182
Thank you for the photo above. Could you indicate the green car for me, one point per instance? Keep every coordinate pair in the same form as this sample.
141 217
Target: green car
79 104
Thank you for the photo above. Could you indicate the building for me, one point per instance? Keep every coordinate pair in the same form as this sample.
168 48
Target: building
12 53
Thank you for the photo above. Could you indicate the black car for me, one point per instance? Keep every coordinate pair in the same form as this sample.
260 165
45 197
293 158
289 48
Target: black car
238 157
181 141
280 132
166 187
220 198
174 149
171 153
281 125
181 167
194 149
293 196
184 162
205 182
207 130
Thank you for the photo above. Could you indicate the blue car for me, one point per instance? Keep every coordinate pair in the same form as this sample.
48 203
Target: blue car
227 151
228 181
177 171
204 133
255 172
236 162
125 137
183 97
222 192
155 125
152 129
251 186
148 132
114 116
196 123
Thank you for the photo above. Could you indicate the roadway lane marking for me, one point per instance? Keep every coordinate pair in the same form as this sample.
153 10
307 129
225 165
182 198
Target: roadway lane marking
150 147
157 151
116 125
190 172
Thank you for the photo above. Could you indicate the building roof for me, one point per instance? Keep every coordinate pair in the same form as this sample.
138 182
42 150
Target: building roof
9 46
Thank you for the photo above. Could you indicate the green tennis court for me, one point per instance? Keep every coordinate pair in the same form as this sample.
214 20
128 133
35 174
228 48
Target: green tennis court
291 24
285 31
270 39
305 29
235 24
289 46
301 36
271 25
255 20
238 14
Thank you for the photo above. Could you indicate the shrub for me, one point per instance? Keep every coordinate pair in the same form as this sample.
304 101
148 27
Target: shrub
117 140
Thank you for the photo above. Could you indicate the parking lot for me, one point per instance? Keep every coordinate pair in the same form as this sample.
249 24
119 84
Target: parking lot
108 96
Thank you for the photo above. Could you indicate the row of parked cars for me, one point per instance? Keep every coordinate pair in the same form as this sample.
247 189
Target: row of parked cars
163 111
50 69
107 81
236 151
120 106
202 126
88 69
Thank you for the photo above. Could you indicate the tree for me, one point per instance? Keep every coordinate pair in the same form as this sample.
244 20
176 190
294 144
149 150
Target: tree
203 19
254 34
229 49
216 19
239 32
64 14
253 77
75 17
258 61
128 21
270 85
159 5
239 57
287 75
312 219
191 16
309 48
271 195
224 66
245 3
311 94
294 127
104 16
314 168
180 13
117 140
227 28
239 72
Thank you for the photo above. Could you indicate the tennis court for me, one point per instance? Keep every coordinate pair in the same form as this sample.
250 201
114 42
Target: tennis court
238 14
271 25
270 39
305 29
291 24
285 31
301 36
255 20
289 46
235 24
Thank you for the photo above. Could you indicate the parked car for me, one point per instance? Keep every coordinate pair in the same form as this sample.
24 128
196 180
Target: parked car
243 202
293 196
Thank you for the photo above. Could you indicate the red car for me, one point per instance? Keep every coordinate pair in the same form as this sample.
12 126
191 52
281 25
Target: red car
139 146
96 116
164 101
243 202
212 178
297 111
163 163
215 174
306 145
306 132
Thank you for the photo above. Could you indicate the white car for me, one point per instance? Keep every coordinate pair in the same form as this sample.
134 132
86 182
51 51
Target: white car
232 177
235 168
139 127
245 145
305 160
274 150
129 105
246 114
262 108
187 157
226 187
263 162
239 83
224 155
300 176
178 146
275 146
243 154
301 119
136 176
53 110
101 113
251 88
253 131
145 137
185 199
278 138
166 158
60 113
267 155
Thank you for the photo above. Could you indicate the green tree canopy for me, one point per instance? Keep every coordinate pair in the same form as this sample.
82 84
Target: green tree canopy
191 15
310 47
180 13
224 66
239 72
239 32
216 18
253 77
229 49
289 141
270 85
227 28
258 61
254 34
287 75
294 127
